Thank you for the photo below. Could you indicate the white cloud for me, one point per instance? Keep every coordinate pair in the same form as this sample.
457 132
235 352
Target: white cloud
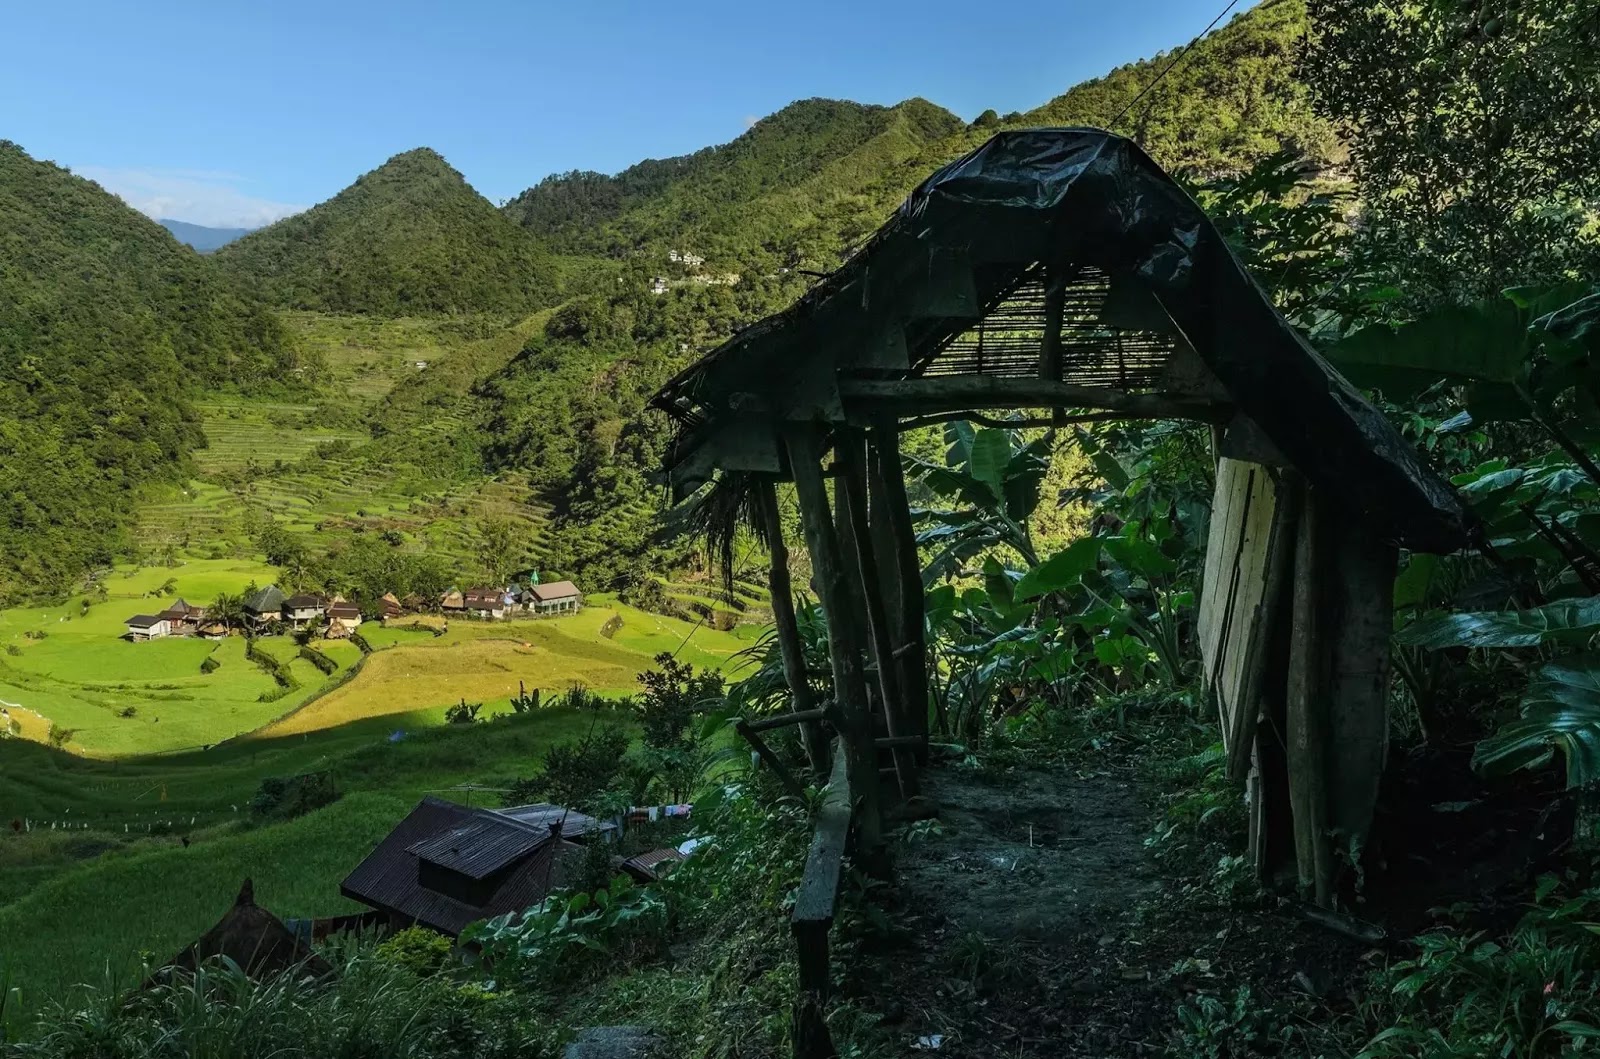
198 196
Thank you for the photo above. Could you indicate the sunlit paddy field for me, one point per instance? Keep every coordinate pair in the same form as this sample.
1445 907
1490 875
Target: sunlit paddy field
69 666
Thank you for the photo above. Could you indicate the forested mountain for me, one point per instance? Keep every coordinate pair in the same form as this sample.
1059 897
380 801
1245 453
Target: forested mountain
200 237
410 237
1234 99
107 325
773 177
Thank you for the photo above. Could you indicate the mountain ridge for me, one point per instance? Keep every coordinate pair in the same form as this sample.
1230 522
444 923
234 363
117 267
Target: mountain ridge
203 238
408 237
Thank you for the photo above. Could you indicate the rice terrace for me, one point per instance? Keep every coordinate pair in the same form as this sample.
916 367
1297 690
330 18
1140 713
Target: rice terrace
533 534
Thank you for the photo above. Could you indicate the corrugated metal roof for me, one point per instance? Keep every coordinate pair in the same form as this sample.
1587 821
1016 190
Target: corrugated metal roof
544 816
388 878
554 590
480 847
651 864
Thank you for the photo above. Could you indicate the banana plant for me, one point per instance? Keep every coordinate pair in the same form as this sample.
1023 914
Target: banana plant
1560 713
992 478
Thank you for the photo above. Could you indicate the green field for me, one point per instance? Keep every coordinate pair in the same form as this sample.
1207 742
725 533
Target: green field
80 902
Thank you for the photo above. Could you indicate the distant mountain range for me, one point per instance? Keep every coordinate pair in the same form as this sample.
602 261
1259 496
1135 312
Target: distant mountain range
200 237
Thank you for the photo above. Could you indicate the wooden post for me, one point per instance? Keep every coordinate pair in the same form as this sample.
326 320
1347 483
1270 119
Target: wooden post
787 627
844 638
1307 714
768 757
902 565
851 450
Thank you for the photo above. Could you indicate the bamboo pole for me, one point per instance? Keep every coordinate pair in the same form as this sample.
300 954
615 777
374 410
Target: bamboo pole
787 627
893 509
844 640
850 445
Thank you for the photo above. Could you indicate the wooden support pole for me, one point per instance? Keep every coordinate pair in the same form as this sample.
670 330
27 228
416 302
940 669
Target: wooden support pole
786 626
851 447
924 396
1307 714
891 507
804 445
786 778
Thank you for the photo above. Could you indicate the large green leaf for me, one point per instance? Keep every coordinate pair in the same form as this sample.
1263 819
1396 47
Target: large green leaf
1024 476
991 453
1486 341
1063 570
958 435
1139 556
1561 712
1563 620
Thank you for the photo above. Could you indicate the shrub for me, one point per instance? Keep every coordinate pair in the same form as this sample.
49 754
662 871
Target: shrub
13 650
419 950
283 798
673 693
575 773
127 712
210 665
327 665
463 712
570 936
58 736
523 702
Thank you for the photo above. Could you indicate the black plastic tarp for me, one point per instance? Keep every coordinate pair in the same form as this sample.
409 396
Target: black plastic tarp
1078 196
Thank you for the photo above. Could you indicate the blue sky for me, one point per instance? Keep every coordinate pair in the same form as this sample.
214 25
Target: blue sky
224 112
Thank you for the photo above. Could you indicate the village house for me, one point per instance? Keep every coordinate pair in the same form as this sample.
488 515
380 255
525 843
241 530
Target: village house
453 601
346 613
147 627
182 617
302 609
486 602
447 865
558 597
264 606
390 607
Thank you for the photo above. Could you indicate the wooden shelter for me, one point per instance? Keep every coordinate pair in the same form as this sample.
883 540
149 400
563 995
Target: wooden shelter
1061 271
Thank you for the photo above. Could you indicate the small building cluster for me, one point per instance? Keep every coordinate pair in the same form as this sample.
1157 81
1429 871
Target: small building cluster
269 609
181 618
512 601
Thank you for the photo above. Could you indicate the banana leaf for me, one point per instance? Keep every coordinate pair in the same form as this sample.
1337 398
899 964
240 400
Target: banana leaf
1561 712
1566 619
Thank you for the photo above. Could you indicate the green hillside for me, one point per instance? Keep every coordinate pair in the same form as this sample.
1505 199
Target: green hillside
108 327
714 192
410 237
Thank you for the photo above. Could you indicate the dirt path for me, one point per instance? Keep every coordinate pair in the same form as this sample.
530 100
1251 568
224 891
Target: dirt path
1032 921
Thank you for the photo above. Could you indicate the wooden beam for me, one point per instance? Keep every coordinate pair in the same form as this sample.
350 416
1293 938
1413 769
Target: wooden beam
891 507
782 720
786 778
925 396
815 902
844 640
851 446
786 626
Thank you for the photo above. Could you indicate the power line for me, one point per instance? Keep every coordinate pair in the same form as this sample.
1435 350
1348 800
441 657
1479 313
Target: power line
1176 59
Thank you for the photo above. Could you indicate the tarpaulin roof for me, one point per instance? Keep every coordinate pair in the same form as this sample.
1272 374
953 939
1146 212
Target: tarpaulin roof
1155 303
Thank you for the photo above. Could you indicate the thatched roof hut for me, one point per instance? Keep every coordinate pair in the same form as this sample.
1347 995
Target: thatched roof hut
253 938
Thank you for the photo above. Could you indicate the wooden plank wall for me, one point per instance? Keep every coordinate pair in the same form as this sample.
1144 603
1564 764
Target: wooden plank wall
1246 559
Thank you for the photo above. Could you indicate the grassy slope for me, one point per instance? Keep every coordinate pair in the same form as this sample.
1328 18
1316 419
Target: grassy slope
65 923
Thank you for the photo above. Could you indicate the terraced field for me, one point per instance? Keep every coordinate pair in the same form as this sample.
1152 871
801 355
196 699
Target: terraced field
242 433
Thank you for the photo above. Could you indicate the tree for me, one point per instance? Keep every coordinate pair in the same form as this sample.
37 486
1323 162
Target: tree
1473 133
496 546
227 610
576 773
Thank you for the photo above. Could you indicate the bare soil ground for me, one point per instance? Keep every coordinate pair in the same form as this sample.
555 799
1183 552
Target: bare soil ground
1033 921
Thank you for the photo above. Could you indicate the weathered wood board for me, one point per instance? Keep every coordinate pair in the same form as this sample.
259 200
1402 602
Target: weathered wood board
1247 556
